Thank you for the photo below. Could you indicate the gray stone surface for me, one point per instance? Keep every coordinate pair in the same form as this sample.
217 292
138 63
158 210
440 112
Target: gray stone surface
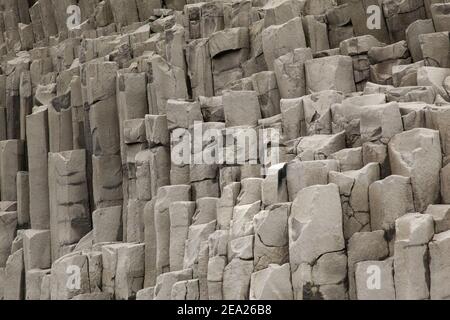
248 149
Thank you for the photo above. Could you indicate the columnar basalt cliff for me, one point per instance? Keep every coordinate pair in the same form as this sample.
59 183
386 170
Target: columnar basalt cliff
241 149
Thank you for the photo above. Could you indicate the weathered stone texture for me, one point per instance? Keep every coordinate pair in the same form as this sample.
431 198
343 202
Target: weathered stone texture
242 149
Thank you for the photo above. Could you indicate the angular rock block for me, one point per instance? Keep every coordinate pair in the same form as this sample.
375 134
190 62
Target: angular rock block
445 184
236 279
364 246
406 75
14 277
225 205
439 13
165 282
235 114
435 118
389 199
374 280
182 114
98 81
242 222
274 282
107 224
397 50
134 131
217 249
413 32
440 214
349 159
411 256
319 146
316 33
181 214
292 118
60 126
159 168
385 59
354 191
302 174
271 244
206 211
359 12
69 202
23 199
156 129
241 248
166 196
358 48
279 40
373 152
433 46
150 243
347 115
228 50
380 123
199 68
186 290
11 162
196 235
33 281
135 221
76 273
265 85
2 282
124 13
317 270
434 77
330 73
417 154
131 101
123 270
18 241
274 187
169 83
107 180
180 152
400 14
439 266
36 249
216 267
212 108
290 72
146 8
8 225
339 24
413 115
146 294
278 12
47 14
317 110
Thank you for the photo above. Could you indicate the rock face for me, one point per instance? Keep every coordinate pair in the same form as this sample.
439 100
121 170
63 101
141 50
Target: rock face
245 149
413 233
354 191
330 73
417 154
318 271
